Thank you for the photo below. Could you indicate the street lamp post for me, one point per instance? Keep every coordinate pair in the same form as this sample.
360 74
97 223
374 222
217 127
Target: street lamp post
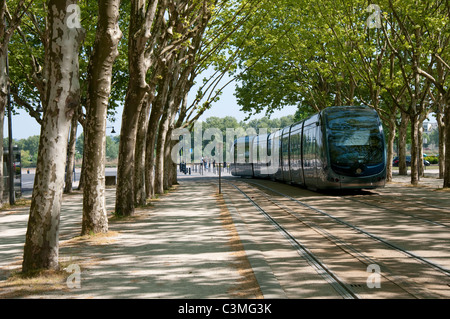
12 197
112 131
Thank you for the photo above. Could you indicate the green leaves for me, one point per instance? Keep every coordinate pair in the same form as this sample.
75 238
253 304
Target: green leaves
323 53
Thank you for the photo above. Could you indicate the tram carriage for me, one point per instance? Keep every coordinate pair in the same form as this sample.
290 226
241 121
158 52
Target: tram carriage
342 147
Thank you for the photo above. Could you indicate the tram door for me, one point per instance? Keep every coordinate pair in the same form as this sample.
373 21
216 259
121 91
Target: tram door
295 155
309 155
285 155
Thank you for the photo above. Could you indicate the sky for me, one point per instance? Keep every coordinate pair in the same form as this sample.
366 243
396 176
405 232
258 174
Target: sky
25 126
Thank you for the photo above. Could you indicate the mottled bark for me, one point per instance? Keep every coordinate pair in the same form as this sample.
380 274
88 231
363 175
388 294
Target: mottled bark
83 161
3 86
3 103
71 155
41 244
141 20
442 139
168 163
420 165
150 150
154 126
170 168
402 133
139 165
171 103
125 168
100 74
414 149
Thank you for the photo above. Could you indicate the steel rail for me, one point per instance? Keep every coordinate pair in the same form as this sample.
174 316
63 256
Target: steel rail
375 237
304 252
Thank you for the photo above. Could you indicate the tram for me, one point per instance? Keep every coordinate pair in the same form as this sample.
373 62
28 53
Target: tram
342 147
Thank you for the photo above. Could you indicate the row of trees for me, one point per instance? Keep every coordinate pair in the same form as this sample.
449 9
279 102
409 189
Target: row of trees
29 146
75 61
391 55
67 67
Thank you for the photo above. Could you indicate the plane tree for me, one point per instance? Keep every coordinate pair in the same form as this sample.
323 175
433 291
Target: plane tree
42 238
30 66
104 54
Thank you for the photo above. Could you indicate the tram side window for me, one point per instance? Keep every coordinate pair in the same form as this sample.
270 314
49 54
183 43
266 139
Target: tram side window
295 147
285 148
263 151
256 151
355 138
247 150
306 147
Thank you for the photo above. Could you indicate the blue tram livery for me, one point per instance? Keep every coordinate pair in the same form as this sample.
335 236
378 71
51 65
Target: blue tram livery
341 147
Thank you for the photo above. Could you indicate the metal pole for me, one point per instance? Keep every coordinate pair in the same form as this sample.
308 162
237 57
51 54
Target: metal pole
220 181
12 199
220 160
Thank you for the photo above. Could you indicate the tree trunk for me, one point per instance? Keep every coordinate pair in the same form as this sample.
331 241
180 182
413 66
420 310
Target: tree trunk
160 153
3 101
442 138
440 117
150 151
41 244
157 118
71 155
140 30
171 166
402 133
100 74
3 90
447 145
3 104
125 168
420 165
390 149
139 165
414 149
83 165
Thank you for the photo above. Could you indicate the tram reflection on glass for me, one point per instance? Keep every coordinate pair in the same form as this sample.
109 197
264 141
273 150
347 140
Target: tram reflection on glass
341 147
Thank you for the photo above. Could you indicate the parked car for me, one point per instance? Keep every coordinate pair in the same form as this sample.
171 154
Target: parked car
408 161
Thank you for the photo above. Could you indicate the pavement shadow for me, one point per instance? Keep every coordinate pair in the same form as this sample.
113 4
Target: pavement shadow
178 248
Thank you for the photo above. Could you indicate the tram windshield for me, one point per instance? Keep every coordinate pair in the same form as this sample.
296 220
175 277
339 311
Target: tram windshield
355 143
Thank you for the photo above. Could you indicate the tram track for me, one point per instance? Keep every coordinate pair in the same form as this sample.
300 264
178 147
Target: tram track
410 288
348 249
424 219
340 287
438 217
417 199
362 231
